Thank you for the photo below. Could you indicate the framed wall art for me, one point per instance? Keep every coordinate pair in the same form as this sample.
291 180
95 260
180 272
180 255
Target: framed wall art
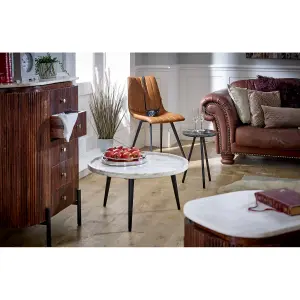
295 56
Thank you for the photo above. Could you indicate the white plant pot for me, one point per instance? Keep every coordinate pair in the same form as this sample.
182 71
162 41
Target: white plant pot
104 144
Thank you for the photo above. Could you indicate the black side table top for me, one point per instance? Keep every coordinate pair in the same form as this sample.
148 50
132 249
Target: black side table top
198 133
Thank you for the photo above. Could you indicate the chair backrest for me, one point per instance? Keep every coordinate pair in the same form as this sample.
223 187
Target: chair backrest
136 94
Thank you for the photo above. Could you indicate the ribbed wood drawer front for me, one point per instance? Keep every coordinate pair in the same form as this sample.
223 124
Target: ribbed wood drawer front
62 174
62 198
60 151
64 99
57 127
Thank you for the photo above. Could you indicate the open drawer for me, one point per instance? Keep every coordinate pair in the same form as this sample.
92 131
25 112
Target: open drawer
57 126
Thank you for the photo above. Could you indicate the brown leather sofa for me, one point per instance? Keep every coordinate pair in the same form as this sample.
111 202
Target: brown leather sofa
233 137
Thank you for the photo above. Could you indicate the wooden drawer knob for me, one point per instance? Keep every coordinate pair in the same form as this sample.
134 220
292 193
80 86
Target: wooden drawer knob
63 100
64 198
63 149
79 126
63 174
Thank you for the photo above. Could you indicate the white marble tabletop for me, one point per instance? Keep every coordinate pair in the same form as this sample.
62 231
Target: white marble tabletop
157 165
228 214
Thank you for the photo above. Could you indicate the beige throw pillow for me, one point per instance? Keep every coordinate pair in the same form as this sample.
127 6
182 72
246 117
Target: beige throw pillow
281 117
256 100
239 97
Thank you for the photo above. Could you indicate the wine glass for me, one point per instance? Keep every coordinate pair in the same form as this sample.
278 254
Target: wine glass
196 116
201 117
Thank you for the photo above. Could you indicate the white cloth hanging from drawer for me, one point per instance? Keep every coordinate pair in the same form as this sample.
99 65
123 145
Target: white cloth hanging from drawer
69 121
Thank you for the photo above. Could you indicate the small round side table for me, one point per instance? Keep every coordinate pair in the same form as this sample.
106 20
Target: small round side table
202 135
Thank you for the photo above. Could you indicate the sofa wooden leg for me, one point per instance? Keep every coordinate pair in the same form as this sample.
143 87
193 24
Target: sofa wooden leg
227 159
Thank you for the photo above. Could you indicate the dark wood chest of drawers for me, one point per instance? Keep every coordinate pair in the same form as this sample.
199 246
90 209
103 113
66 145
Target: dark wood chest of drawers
39 169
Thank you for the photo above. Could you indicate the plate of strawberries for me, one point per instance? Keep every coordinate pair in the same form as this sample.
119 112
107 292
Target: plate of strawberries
123 156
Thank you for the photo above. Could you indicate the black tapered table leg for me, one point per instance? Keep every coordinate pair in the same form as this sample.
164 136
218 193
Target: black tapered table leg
174 182
177 139
189 157
202 162
48 227
130 202
137 133
161 136
108 179
150 128
78 203
206 158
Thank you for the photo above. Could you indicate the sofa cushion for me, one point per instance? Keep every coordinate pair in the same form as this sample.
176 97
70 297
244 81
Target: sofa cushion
281 117
256 100
289 89
240 99
266 84
290 95
277 138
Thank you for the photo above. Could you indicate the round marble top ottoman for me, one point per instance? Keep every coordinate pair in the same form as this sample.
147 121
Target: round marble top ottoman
225 221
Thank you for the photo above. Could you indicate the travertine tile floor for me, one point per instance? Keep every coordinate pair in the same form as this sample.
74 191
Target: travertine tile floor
156 221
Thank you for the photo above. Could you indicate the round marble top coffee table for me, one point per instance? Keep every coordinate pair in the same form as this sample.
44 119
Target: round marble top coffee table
225 221
157 165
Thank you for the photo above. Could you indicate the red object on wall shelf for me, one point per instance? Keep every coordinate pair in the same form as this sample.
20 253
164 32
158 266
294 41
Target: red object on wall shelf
5 68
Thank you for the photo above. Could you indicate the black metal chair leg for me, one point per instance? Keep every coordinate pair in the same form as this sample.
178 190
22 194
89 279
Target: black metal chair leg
78 202
137 133
174 183
48 227
177 139
130 202
108 179
206 158
161 136
150 128
202 162
189 158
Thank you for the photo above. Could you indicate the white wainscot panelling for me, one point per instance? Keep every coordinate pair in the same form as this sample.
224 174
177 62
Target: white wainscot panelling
195 83
161 74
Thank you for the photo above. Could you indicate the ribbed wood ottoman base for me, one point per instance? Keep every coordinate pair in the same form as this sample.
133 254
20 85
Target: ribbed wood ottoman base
196 235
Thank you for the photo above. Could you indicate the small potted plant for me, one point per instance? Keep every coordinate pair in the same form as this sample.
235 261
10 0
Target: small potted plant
106 107
46 66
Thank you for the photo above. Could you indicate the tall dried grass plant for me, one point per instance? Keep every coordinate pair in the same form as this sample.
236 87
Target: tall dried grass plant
106 107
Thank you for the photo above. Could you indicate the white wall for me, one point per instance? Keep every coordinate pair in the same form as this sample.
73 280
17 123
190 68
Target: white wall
85 66
156 59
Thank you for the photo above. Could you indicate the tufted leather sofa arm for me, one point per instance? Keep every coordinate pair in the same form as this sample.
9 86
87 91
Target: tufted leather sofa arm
220 109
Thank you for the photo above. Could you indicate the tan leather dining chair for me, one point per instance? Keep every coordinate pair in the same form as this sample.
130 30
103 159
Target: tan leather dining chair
138 95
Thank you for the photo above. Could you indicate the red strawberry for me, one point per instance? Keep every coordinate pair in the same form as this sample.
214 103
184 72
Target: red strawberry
126 155
109 154
136 154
